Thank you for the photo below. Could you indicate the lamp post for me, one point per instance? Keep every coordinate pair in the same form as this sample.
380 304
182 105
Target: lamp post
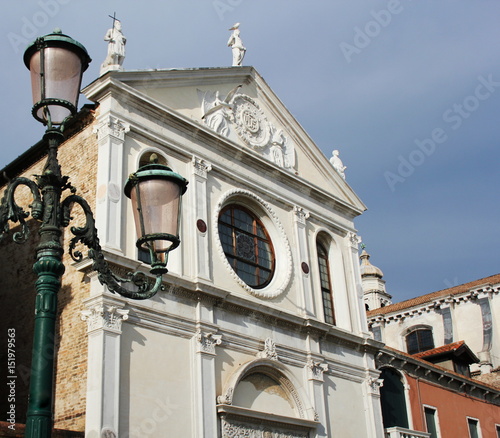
56 63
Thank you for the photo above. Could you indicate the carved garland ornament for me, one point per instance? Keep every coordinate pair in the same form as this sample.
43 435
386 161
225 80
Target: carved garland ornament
283 270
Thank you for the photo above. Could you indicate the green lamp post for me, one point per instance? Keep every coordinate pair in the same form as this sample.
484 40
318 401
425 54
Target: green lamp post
56 63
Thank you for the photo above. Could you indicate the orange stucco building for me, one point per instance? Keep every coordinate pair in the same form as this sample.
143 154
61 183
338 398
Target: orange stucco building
431 401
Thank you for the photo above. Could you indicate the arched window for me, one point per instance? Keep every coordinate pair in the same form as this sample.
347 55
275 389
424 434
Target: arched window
247 245
326 284
419 339
393 399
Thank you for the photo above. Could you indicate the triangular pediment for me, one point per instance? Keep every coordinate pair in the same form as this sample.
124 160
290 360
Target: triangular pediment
236 103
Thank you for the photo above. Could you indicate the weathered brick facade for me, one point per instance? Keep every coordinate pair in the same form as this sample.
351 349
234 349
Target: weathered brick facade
78 159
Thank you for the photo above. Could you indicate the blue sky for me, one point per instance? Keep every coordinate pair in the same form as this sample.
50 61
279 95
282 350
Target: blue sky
408 91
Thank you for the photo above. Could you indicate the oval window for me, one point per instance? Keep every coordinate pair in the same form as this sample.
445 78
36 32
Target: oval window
247 245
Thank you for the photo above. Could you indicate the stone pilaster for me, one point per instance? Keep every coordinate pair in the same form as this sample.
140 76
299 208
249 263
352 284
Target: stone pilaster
104 317
200 170
204 343
315 368
302 255
356 294
109 197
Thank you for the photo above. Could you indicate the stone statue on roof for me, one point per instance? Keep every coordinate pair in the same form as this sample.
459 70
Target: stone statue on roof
337 163
116 48
236 45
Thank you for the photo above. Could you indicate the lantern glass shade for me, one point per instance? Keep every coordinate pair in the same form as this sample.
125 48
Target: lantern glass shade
63 71
156 205
56 63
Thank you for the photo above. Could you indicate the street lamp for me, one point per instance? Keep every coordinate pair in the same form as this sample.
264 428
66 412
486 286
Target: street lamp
155 191
56 63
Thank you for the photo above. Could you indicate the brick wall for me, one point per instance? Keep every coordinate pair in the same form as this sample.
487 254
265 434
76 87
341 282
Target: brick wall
78 158
17 431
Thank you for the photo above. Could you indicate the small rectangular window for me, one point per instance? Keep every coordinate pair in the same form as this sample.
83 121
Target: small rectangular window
431 421
498 431
474 430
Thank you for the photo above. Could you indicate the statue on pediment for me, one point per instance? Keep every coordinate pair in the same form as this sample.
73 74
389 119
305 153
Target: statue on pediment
236 45
116 48
337 164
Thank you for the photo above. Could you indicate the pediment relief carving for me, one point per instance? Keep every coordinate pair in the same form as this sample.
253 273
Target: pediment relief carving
239 116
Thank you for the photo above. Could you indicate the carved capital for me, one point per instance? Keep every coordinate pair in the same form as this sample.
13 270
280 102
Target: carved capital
316 370
269 351
206 342
354 240
104 317
301 215
112 127
374 385
201 167
107 432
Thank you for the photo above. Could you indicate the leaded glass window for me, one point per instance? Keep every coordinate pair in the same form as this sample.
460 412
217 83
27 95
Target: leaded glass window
326 289
419 340
247 245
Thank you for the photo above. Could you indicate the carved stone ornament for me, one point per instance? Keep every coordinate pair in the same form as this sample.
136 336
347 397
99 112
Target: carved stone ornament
240 113
375 384
269 351
354 240
237 429
217 110
301 215
104 317
112 127
107 432
251 124
207 342
226 398
201 167
316 369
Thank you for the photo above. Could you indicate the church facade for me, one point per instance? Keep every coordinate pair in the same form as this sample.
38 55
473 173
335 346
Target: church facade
261 329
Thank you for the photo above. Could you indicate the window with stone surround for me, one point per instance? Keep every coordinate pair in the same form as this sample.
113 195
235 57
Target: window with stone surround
431 421
326 284
419 339
474 429
247 245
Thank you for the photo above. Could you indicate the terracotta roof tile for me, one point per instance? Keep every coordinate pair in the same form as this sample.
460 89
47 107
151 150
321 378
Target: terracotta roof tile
455 290
439 350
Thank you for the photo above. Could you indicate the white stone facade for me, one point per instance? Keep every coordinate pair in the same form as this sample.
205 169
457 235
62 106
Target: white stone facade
212 356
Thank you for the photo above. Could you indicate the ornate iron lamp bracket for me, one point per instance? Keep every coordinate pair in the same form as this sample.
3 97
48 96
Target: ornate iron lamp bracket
10 211
88 236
